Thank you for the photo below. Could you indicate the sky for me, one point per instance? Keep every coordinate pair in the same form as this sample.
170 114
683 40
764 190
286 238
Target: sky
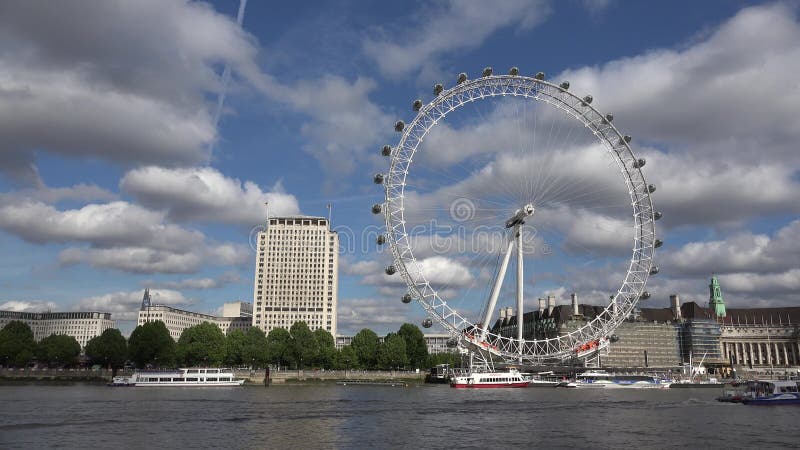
129 160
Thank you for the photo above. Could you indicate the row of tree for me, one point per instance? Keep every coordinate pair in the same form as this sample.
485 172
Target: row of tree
150 345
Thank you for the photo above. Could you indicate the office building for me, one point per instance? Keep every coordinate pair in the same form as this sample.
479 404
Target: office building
83 326
177 320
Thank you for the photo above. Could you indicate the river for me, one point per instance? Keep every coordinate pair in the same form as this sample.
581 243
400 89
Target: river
424 416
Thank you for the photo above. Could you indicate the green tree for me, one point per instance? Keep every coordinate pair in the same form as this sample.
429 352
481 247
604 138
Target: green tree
59 350
202 344
346 358
235 348
17 346
278 341
326 348
365 345
392 353
151 344
108 350
303 345
416 347
256 350
454 359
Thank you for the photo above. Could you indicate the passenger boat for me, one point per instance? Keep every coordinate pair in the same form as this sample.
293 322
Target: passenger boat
510 379
602 379
184 377
764 392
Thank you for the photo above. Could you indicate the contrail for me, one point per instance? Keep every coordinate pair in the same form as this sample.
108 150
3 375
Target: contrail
226 73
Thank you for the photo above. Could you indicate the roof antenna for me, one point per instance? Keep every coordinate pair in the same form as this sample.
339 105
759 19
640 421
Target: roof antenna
330 208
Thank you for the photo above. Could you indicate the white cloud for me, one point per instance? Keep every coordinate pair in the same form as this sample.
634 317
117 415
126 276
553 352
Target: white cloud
28 306
204 194
196 283
447 27
124 305
380 315
130 88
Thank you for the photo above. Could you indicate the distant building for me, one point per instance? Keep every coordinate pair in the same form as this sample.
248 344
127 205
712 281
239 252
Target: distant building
83 326
177 320
296 274
436 343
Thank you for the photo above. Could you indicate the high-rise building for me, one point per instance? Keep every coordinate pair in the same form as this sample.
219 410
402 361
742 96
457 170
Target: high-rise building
296 274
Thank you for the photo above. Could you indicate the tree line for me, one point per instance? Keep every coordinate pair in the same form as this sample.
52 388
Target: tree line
150 345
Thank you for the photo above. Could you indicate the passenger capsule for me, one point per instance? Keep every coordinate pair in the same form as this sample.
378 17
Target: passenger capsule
658 243
386 150
399 125
613 338
390 270
378 179
487 72
437 89
639 163
462 77
624 140
645 295
587 100
427 323
539 76
380 240
407 298
608 118
514 71
377 208
653 270
417 105
651 188
564 85
656 215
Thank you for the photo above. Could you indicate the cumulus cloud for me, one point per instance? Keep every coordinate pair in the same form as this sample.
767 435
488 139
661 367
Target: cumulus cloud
205 194
124 305
377 314
129 88
447 27
28 306
196 283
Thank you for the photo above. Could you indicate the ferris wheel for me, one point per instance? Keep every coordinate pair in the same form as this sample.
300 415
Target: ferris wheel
502 181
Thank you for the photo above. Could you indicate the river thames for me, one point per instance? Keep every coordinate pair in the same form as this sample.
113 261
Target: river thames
332 416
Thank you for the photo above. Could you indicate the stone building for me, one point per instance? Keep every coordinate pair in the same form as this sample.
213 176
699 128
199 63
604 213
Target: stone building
83 326
177 320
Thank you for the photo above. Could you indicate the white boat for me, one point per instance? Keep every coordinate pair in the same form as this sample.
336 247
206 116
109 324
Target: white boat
602 379
764 392
510 379
184 377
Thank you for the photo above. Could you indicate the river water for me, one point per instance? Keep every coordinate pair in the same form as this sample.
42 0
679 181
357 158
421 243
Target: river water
425 416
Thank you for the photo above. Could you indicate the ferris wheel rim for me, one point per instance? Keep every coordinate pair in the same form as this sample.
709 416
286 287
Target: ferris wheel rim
617 144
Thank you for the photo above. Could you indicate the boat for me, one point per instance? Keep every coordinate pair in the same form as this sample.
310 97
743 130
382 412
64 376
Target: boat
763 392
542 379
602 379
685 384
183 377
439 374
510 379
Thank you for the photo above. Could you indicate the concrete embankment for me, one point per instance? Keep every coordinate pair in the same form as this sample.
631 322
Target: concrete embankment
99 375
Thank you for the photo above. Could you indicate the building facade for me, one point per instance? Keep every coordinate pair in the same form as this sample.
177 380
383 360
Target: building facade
177 320
83 326
296 274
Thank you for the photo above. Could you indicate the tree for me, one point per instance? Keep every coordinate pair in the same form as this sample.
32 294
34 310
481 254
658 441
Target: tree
392 354
326 346
109 349
365 345
303 345
256 350
416 347
278 341
59 350
151 344
17 346
346 358
202 344
235 348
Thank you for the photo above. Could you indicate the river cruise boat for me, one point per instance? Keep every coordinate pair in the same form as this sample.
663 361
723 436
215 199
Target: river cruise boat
510 379
602 379
763 392
184 377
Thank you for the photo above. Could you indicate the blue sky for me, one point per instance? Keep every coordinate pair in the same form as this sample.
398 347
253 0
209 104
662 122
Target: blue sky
115 176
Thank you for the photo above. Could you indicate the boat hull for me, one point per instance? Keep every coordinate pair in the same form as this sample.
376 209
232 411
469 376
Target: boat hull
780 399
488 385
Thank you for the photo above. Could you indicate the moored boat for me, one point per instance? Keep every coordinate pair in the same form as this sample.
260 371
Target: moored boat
183 377
510 379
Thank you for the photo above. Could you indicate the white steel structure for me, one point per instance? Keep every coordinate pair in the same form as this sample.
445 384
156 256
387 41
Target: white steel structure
296 274
528 204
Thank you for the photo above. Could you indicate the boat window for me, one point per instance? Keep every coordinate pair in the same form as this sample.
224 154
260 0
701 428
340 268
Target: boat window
213 371
153 379
178 379
191 379
202 371
191 371
211 379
